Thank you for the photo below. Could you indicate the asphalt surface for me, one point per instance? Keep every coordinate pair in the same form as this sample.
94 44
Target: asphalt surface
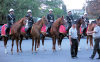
48 55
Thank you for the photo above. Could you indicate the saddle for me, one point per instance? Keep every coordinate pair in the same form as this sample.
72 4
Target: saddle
4 27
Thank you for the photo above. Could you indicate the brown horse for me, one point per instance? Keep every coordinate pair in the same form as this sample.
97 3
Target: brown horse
15 32
54 32
80 23
89 36
91 28
36 31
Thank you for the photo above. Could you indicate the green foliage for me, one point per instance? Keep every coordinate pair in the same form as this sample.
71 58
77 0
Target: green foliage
76 16
21 7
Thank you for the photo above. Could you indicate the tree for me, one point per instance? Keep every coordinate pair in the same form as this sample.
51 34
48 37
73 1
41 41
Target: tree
20 7
93 8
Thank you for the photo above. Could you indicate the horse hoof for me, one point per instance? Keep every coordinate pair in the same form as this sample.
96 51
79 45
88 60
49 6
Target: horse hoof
21 51
92 48
6 51
54 50
17 53
11 53
44 49
86 48
79 49
35 51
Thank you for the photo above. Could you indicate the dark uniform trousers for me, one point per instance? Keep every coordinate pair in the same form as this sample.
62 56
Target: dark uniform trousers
96 47
74 47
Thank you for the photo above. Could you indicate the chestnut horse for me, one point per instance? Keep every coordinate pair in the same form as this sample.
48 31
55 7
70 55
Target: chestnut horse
36 31
89 36
15 32
54 32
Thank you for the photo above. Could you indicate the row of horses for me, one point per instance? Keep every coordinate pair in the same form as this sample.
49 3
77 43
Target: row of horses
18 35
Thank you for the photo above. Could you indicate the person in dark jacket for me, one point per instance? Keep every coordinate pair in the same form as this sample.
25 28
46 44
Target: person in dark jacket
50 18
69 18
10 20
86 19
29 22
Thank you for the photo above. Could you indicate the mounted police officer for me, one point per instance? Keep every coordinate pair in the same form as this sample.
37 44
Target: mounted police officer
29 22
10 20
86 19
69 18
50 18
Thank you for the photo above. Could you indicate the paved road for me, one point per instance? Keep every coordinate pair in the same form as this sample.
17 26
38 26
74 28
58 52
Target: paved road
45 56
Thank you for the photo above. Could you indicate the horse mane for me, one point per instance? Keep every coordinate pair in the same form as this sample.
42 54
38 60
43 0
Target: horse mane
38 22
58 20
19 21
78 20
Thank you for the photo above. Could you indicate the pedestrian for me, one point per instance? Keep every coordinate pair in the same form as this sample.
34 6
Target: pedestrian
96 36
73 40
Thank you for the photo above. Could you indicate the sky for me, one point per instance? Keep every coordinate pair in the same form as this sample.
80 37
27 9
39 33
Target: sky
74 4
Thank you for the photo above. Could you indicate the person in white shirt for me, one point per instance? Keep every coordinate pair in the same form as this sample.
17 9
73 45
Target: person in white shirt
73 40
96 36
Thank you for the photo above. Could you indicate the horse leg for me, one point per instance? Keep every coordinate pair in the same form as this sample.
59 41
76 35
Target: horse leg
87 41
32 43
79 37
43 43
12 45
59 43
54 42
35 44
38 43
21 43
91 42
17 44
5 44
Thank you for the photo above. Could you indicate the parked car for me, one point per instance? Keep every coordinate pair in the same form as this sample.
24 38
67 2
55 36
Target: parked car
0 31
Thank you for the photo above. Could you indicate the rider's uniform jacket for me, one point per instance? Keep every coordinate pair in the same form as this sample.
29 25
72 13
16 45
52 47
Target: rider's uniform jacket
69 18
10 19
50 17
30 20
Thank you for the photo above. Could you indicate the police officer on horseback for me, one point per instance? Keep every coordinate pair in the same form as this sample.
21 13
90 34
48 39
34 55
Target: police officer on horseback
69 18
10 20
50 18
29 22
86 19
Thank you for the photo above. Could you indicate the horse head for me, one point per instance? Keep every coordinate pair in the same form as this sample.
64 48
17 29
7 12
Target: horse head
81 24
61 20
44 20
23 21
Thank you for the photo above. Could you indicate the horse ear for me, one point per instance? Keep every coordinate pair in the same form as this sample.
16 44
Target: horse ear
62 17
43 17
